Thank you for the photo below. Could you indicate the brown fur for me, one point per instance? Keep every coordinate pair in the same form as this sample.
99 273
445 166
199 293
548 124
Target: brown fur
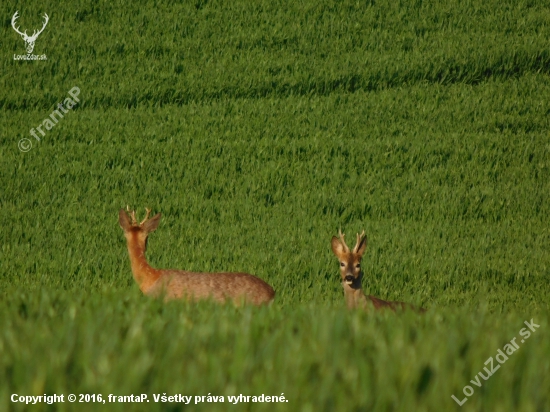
352 276
178 284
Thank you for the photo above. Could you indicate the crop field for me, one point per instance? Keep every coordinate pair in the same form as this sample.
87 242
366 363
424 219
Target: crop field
259 129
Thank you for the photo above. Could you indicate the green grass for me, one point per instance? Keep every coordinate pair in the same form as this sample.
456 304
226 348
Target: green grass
258 130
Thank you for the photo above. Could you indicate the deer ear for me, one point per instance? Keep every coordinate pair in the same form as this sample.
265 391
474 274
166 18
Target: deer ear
152 224
124 220
337 247
362 246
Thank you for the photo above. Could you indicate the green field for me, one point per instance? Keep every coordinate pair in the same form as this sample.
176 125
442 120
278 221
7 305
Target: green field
258 129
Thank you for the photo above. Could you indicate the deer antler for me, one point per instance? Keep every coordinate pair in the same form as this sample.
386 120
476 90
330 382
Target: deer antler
359 239
35 34
132 215
146 217
15 17
342 241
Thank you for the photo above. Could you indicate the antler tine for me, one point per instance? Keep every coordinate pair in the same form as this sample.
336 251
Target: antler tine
359 238
341 235
13 19
146 217
46 18
132 215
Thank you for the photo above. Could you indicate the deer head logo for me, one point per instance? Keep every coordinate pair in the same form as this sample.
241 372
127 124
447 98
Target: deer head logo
29 40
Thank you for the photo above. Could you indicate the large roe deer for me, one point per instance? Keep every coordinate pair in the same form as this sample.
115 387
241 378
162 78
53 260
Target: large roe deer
175 284
350 270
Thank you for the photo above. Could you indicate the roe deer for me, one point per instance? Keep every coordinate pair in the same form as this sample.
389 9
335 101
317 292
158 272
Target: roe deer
175 284
350 270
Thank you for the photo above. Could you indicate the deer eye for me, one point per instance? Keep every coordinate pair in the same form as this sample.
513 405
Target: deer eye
342 264
358 266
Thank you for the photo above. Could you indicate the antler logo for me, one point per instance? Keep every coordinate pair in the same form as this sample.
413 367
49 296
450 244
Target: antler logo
29 40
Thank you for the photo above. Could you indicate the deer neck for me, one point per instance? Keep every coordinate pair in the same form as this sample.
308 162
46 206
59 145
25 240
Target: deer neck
355 297
144 275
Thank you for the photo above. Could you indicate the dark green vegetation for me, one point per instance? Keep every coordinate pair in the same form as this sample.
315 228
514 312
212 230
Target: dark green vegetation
258 131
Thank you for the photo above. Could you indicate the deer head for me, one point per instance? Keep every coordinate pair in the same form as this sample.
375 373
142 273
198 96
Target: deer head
350 260
137 231
29 40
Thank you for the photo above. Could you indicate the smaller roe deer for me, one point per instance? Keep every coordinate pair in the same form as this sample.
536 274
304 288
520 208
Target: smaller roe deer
175 284
350 270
